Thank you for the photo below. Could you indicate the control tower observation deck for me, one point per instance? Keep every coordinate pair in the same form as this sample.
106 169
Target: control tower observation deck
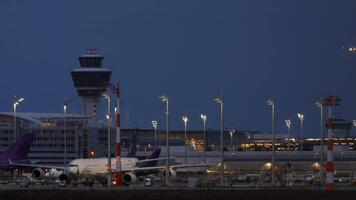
91 81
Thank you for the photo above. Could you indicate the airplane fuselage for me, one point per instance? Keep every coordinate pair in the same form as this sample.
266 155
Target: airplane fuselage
98 165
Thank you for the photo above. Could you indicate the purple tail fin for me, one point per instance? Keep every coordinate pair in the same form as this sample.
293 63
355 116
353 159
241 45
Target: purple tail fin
20 149
155 154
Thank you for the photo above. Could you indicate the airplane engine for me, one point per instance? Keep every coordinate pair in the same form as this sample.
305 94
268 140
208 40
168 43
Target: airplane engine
38 173
65 177
129 177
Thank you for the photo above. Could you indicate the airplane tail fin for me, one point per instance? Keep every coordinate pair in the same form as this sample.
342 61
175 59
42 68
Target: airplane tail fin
155 154
20 149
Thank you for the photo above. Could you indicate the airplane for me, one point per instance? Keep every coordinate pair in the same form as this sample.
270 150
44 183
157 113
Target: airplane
16 153
15 157
10 161
132 168
89 169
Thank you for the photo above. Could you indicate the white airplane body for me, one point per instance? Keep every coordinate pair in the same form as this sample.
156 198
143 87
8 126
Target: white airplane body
99 165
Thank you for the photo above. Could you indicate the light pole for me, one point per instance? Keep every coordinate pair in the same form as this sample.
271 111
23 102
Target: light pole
319 104
185 120
164 99
108 117
65 130
115 88
219 100
288 125
272 103
231 132
155 124
17 101
301 118
203 117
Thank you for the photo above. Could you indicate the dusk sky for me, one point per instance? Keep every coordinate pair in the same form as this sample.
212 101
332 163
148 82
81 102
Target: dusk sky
190 50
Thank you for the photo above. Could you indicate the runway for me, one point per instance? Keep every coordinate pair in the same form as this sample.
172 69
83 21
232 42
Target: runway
158 193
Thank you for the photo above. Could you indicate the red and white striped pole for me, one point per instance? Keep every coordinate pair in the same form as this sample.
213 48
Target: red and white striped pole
330 101
329 167
118 174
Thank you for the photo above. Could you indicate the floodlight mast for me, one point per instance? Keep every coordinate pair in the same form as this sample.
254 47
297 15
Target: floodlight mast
288 125
301 118
219 100
231 132
108 118
319 104
65 107
271 102
17 101
185 120
164 99
203 117
115 88
155 124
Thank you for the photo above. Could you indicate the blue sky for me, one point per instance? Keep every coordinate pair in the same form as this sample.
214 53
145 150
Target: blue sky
191 50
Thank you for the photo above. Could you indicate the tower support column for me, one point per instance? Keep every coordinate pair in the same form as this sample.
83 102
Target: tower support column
330 101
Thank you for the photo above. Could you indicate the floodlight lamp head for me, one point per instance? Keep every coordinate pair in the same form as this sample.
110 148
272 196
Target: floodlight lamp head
301 116
319 103
154 124
203 117
18 100
163 97
270 102
218 99
185 118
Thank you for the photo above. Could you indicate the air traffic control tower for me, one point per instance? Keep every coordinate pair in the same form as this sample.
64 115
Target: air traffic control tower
91 81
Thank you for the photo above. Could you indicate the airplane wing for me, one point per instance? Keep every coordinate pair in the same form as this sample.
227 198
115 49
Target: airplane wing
171 166
36 166
148 160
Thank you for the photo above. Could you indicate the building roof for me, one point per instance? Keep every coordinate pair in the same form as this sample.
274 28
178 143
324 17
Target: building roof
270 136
38 118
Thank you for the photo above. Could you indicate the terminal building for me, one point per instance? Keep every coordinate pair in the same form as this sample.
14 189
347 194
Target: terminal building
49 128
